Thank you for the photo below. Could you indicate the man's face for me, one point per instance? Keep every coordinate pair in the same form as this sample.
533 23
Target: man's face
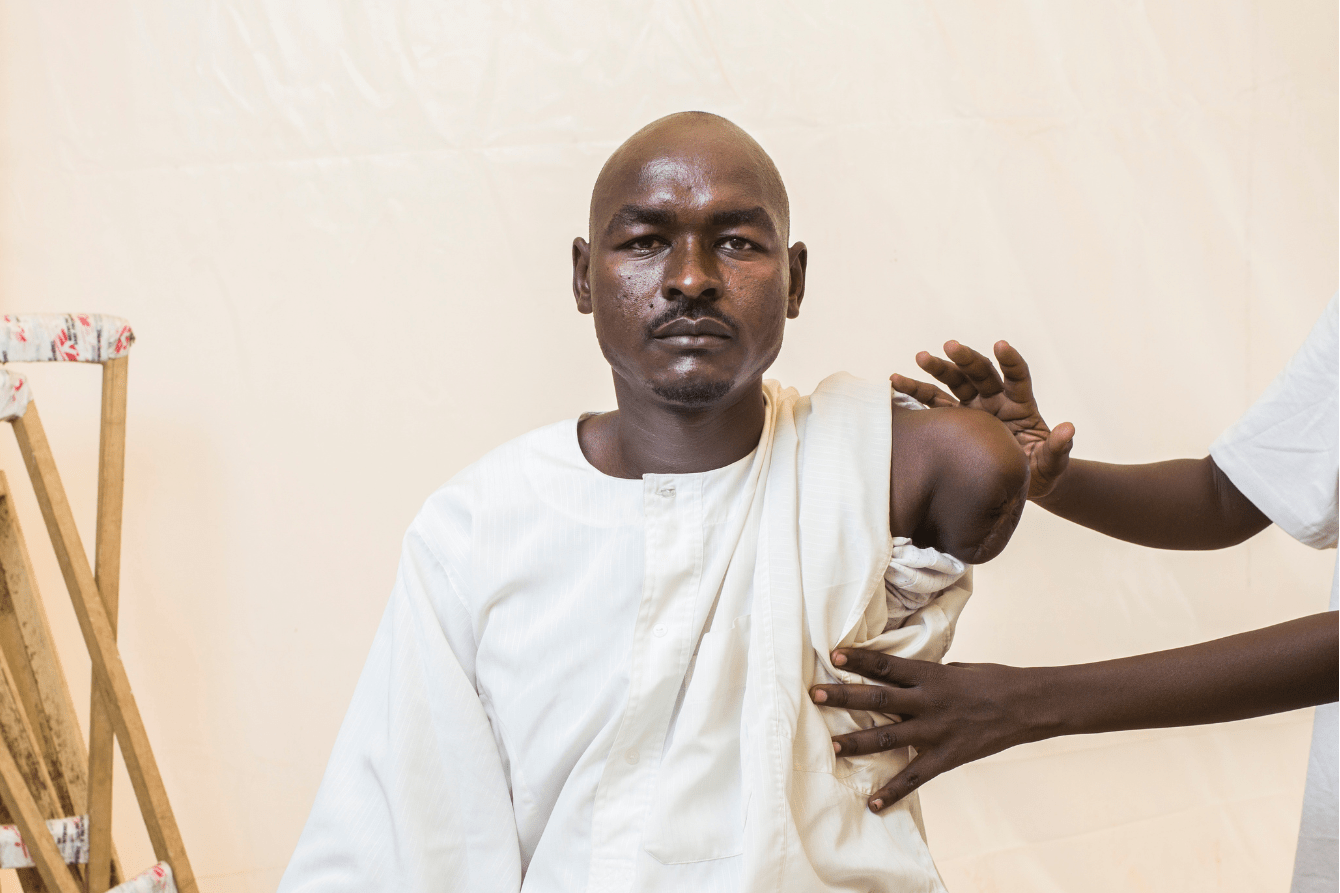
688 273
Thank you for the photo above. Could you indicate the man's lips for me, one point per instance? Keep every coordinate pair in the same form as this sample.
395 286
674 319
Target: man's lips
696 331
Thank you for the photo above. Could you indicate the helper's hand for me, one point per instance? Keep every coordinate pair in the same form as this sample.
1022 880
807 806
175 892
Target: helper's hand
951 713
976 384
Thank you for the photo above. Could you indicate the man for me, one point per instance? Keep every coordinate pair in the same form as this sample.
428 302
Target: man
1280 462
592 672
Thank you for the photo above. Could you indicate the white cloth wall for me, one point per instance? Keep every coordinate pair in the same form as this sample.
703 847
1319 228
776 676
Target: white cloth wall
341 232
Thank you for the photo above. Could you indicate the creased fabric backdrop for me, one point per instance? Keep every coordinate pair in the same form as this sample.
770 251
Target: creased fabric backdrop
341 231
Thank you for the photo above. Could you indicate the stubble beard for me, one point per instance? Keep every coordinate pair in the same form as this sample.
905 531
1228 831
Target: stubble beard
693 395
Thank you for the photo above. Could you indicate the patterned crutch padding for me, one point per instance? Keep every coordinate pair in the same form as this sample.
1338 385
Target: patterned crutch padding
63 337
71 834
156 880
14 394
54 337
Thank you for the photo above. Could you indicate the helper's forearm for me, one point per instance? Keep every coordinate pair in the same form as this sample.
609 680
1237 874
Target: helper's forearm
1269 670
1180 504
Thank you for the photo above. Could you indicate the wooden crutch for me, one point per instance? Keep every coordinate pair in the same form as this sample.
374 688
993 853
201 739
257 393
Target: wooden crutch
104 340
48 337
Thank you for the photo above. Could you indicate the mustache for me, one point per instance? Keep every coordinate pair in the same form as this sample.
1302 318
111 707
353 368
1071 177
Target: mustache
691 310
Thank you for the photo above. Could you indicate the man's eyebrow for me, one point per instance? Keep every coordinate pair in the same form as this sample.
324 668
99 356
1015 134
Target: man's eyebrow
755 216
637 215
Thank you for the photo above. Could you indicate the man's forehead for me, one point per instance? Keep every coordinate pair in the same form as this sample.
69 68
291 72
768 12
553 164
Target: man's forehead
688 181
688 163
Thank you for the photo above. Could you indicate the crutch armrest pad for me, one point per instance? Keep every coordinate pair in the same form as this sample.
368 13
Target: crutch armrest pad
63 337
14 394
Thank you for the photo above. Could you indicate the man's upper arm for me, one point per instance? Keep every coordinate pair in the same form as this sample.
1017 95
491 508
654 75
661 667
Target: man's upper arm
978 482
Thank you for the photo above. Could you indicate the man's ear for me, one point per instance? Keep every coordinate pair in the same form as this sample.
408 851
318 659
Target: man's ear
799 257
581 274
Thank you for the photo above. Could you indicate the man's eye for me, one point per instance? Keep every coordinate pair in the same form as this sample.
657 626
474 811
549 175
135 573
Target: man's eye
646 243
735 243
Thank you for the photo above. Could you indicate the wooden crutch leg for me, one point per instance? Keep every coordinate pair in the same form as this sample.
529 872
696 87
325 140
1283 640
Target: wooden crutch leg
23 756
26 643
109 671
30 879
28 816
26 640
107 561
27 791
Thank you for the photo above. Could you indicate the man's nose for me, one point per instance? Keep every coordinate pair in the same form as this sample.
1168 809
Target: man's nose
691 273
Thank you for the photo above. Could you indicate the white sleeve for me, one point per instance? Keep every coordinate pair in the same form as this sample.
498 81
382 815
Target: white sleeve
1282 454
414 796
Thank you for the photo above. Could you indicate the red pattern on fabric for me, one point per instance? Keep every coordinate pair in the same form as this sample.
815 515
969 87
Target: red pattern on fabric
65 347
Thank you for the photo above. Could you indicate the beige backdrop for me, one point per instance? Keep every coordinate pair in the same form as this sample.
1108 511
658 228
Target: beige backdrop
341 231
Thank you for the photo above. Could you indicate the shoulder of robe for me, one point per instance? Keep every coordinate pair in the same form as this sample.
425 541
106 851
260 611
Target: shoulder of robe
498 478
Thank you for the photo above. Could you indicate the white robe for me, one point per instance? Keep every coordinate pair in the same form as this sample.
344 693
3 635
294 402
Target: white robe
587 683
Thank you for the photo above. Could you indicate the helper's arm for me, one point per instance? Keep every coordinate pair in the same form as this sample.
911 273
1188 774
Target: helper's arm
1180 504
956 713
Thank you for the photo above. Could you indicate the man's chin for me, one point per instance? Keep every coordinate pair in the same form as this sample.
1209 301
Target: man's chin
693 394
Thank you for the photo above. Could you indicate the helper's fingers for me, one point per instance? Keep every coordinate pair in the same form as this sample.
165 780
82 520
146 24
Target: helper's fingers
1018 380
1051 459
976 368
921 391
889 736
1058 446
880 698
882 667
924 766
948 375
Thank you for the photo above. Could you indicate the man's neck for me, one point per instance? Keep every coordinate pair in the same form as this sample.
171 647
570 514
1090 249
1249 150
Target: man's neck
648 436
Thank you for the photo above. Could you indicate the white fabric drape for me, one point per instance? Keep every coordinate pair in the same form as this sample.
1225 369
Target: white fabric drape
698 761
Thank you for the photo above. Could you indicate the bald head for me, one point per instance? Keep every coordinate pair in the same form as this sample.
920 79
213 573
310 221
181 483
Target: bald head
708 144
